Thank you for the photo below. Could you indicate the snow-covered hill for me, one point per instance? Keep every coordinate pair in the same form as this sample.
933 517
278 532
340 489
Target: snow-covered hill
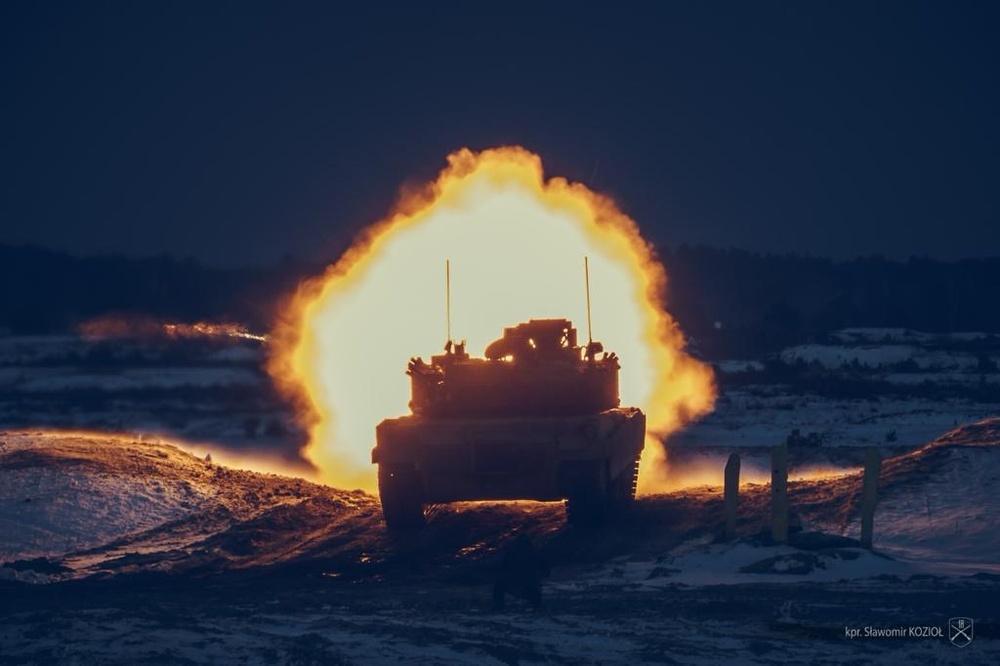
205 388
100 503
942 501
63 492
238 567
88 499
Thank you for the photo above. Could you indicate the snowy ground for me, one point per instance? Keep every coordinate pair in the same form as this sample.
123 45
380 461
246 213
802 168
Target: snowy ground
201 389
895 389
317 622
252 568
121 549
214 390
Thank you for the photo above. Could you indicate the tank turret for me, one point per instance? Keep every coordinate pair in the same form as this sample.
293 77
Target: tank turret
535 368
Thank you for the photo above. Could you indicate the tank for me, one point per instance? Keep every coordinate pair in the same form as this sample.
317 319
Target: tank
538 417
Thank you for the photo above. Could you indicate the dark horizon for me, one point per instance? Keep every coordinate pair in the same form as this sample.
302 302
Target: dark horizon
763 300
238 133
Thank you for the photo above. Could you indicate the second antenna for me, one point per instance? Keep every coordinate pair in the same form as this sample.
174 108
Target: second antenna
447 301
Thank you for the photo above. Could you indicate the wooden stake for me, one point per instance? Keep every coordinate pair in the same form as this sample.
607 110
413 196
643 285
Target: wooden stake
869 495
732 494
779 493
447 298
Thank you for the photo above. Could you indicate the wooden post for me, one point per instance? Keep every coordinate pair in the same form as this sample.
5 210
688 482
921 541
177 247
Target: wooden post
732 494
779 493
869 495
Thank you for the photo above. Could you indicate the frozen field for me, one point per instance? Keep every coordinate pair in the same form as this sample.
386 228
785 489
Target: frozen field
122 549
176 560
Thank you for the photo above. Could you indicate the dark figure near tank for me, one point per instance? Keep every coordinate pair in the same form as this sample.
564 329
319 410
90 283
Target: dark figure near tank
521 572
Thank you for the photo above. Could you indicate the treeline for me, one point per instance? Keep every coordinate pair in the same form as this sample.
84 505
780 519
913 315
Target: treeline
740 304
42 291
731 303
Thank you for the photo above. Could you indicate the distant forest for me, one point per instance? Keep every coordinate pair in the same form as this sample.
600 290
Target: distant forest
730 303
43 291
767 302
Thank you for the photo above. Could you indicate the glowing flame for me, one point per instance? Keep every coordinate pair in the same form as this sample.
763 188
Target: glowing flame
252 461
516 243
709 470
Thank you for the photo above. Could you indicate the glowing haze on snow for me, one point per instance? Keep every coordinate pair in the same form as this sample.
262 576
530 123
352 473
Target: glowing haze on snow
516 243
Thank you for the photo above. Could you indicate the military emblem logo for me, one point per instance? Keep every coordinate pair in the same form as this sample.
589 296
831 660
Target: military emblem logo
960 631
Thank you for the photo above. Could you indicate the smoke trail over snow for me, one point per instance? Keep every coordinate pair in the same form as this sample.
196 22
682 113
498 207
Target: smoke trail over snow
147 328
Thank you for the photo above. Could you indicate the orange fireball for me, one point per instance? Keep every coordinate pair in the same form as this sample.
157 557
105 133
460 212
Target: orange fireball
516 243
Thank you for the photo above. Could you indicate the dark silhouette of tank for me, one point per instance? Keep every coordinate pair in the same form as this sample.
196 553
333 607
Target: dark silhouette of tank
538 418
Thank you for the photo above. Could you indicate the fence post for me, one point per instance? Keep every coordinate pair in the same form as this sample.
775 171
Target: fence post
732 494
779 493
869 495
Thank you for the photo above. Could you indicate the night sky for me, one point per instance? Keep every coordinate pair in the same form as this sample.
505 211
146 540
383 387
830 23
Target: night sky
237 133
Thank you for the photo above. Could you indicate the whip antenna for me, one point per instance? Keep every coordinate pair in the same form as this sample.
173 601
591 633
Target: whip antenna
447 298
586 280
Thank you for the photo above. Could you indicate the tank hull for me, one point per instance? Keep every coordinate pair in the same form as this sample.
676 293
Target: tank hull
527 458
483 389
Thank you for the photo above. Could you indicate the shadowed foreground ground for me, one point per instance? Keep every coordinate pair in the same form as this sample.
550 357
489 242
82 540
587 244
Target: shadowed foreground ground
227 566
